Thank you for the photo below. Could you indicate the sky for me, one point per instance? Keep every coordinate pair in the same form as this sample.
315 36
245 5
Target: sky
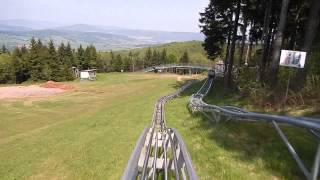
167 15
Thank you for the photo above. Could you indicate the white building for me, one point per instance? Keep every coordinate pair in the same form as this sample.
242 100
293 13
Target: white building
89 74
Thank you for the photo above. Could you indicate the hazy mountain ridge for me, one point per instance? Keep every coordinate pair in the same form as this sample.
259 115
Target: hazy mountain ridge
18 32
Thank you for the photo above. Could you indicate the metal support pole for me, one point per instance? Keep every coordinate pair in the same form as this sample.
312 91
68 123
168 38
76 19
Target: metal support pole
315 167
292 151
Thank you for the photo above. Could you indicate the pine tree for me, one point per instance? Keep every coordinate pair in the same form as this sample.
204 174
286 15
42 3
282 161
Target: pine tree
118 64
4 49
184 58
216 23
87 58
94 61
147 58
155 58
164 57
126 64
67 62
24 50
112 62
62 74
132 61
43 54
230 58
6 70
172 59
80 57
17 65
55 65
34 61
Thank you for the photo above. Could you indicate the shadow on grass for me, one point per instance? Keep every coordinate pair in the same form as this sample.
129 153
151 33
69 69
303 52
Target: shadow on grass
253 141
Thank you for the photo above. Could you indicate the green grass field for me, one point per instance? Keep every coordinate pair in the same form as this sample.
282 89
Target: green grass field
89 133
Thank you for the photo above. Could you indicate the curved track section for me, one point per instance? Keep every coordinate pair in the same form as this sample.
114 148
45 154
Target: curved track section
179 66
217 113
160 152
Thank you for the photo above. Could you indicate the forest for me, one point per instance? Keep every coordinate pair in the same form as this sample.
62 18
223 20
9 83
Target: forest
248 35
40 62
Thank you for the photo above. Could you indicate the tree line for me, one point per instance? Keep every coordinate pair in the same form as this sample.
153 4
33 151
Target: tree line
133 61
41 62
233 27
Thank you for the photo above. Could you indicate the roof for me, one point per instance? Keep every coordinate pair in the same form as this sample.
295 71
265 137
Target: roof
89 70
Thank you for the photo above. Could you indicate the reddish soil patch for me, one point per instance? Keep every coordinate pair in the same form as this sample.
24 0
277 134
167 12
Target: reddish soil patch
52 84
47 89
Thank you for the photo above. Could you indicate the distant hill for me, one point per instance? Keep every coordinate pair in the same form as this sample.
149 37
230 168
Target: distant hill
4 27
36 25
102 41
18 32
151 36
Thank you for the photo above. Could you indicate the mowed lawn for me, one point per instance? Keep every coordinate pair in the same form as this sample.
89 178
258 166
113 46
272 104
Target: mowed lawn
237 150
90 133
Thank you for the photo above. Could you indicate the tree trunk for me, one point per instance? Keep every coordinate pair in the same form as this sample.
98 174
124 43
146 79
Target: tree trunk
266 39
228 80
227 53
243 40
310 34
312 25
278 42
272 37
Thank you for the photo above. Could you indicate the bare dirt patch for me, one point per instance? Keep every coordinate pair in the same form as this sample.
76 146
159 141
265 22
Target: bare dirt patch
47 89
56 85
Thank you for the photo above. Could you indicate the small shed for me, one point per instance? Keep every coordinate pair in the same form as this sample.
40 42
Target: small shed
89 74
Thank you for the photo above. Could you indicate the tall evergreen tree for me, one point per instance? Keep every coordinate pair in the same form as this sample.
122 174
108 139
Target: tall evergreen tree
55 65
69 59
4 49
118 64
87 58
184 58
216 25
126 64
94 60
172 59
112 62
147 58
163 56
61 54
155 58
17 65
35 63
132 61
80 57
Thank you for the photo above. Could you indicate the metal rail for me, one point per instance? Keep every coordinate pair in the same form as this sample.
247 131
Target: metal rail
181 66
196 104
160 151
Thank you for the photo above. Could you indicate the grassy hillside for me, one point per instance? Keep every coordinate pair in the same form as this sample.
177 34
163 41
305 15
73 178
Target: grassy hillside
196 52
89 133
236 149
